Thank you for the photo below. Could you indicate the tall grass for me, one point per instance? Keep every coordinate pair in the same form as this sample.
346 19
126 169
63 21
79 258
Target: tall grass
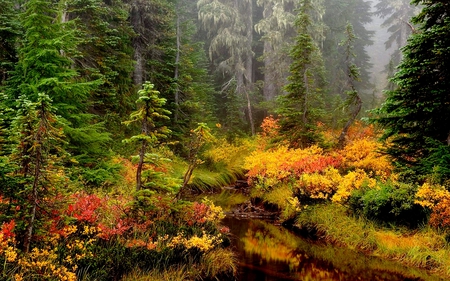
425 248
214 264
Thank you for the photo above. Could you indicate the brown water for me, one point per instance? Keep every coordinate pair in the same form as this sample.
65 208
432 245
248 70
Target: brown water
272 253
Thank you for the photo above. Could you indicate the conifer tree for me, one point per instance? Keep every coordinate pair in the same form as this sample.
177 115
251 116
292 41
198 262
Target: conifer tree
301 108
276 28
9 31
229 25
415 115
105 54
354 101
397 15
149 113
45 66
38 153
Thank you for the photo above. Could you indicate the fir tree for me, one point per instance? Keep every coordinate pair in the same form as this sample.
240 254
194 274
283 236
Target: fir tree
39 137
415 114
300 109
149 113
45 66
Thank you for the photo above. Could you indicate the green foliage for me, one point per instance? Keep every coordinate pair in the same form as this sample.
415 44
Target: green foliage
9 31
338 14
415 114
105 52
45 66
149 113
301 108
390 203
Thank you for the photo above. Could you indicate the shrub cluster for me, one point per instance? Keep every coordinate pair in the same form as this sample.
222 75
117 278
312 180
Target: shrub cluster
104 238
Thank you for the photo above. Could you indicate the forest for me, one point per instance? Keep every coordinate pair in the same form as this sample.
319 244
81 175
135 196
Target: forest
121 121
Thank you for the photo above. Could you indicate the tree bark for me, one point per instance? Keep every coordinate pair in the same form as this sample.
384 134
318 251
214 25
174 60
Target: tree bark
249 65
138 44
358 103
144 143
177 62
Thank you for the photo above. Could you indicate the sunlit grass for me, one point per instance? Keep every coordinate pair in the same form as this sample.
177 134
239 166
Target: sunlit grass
218 262
173 274
425 248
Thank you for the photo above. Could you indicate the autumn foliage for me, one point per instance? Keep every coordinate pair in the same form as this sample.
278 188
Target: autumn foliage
315 173
80 236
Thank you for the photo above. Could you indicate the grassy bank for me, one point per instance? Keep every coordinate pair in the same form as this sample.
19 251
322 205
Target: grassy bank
424 248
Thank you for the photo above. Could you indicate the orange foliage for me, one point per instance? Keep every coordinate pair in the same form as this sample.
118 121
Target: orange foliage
314 172
128 172
364 154
361 131
270 127
437 198
440 217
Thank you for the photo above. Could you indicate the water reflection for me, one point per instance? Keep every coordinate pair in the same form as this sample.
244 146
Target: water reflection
272 253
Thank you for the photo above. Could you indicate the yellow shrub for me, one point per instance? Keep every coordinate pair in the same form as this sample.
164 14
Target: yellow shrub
277 164
430 195
204 243
229 154
319 185
44 263
351 181
364 154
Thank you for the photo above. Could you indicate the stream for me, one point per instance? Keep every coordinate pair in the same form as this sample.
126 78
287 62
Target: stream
267 252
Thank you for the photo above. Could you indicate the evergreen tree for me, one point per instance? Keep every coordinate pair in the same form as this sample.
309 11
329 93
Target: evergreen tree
105 54
415 114
337 15
397 15
9 31
230 26
276 28
38 135
149 113
45 66
193 91
354 101
300 109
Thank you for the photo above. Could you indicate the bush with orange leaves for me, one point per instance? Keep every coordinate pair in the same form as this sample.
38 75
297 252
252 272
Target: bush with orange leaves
315 173
437 199
364 153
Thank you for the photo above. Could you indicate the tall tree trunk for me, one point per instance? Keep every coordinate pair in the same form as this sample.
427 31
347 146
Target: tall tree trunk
305 101
138 73
142 151
34 198
357 109
38 144
269 90
177 62
249 64
138 44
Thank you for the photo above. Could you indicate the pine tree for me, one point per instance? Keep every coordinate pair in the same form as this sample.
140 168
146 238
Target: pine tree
415 114
276 28
397 15
300 109
38 135
149 113
338 14
354 101
230 26
45 66
9 31
105 54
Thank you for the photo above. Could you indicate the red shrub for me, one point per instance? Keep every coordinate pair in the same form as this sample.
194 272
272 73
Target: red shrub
85 207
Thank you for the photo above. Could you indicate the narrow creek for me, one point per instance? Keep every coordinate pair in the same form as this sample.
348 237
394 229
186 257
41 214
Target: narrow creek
268 252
